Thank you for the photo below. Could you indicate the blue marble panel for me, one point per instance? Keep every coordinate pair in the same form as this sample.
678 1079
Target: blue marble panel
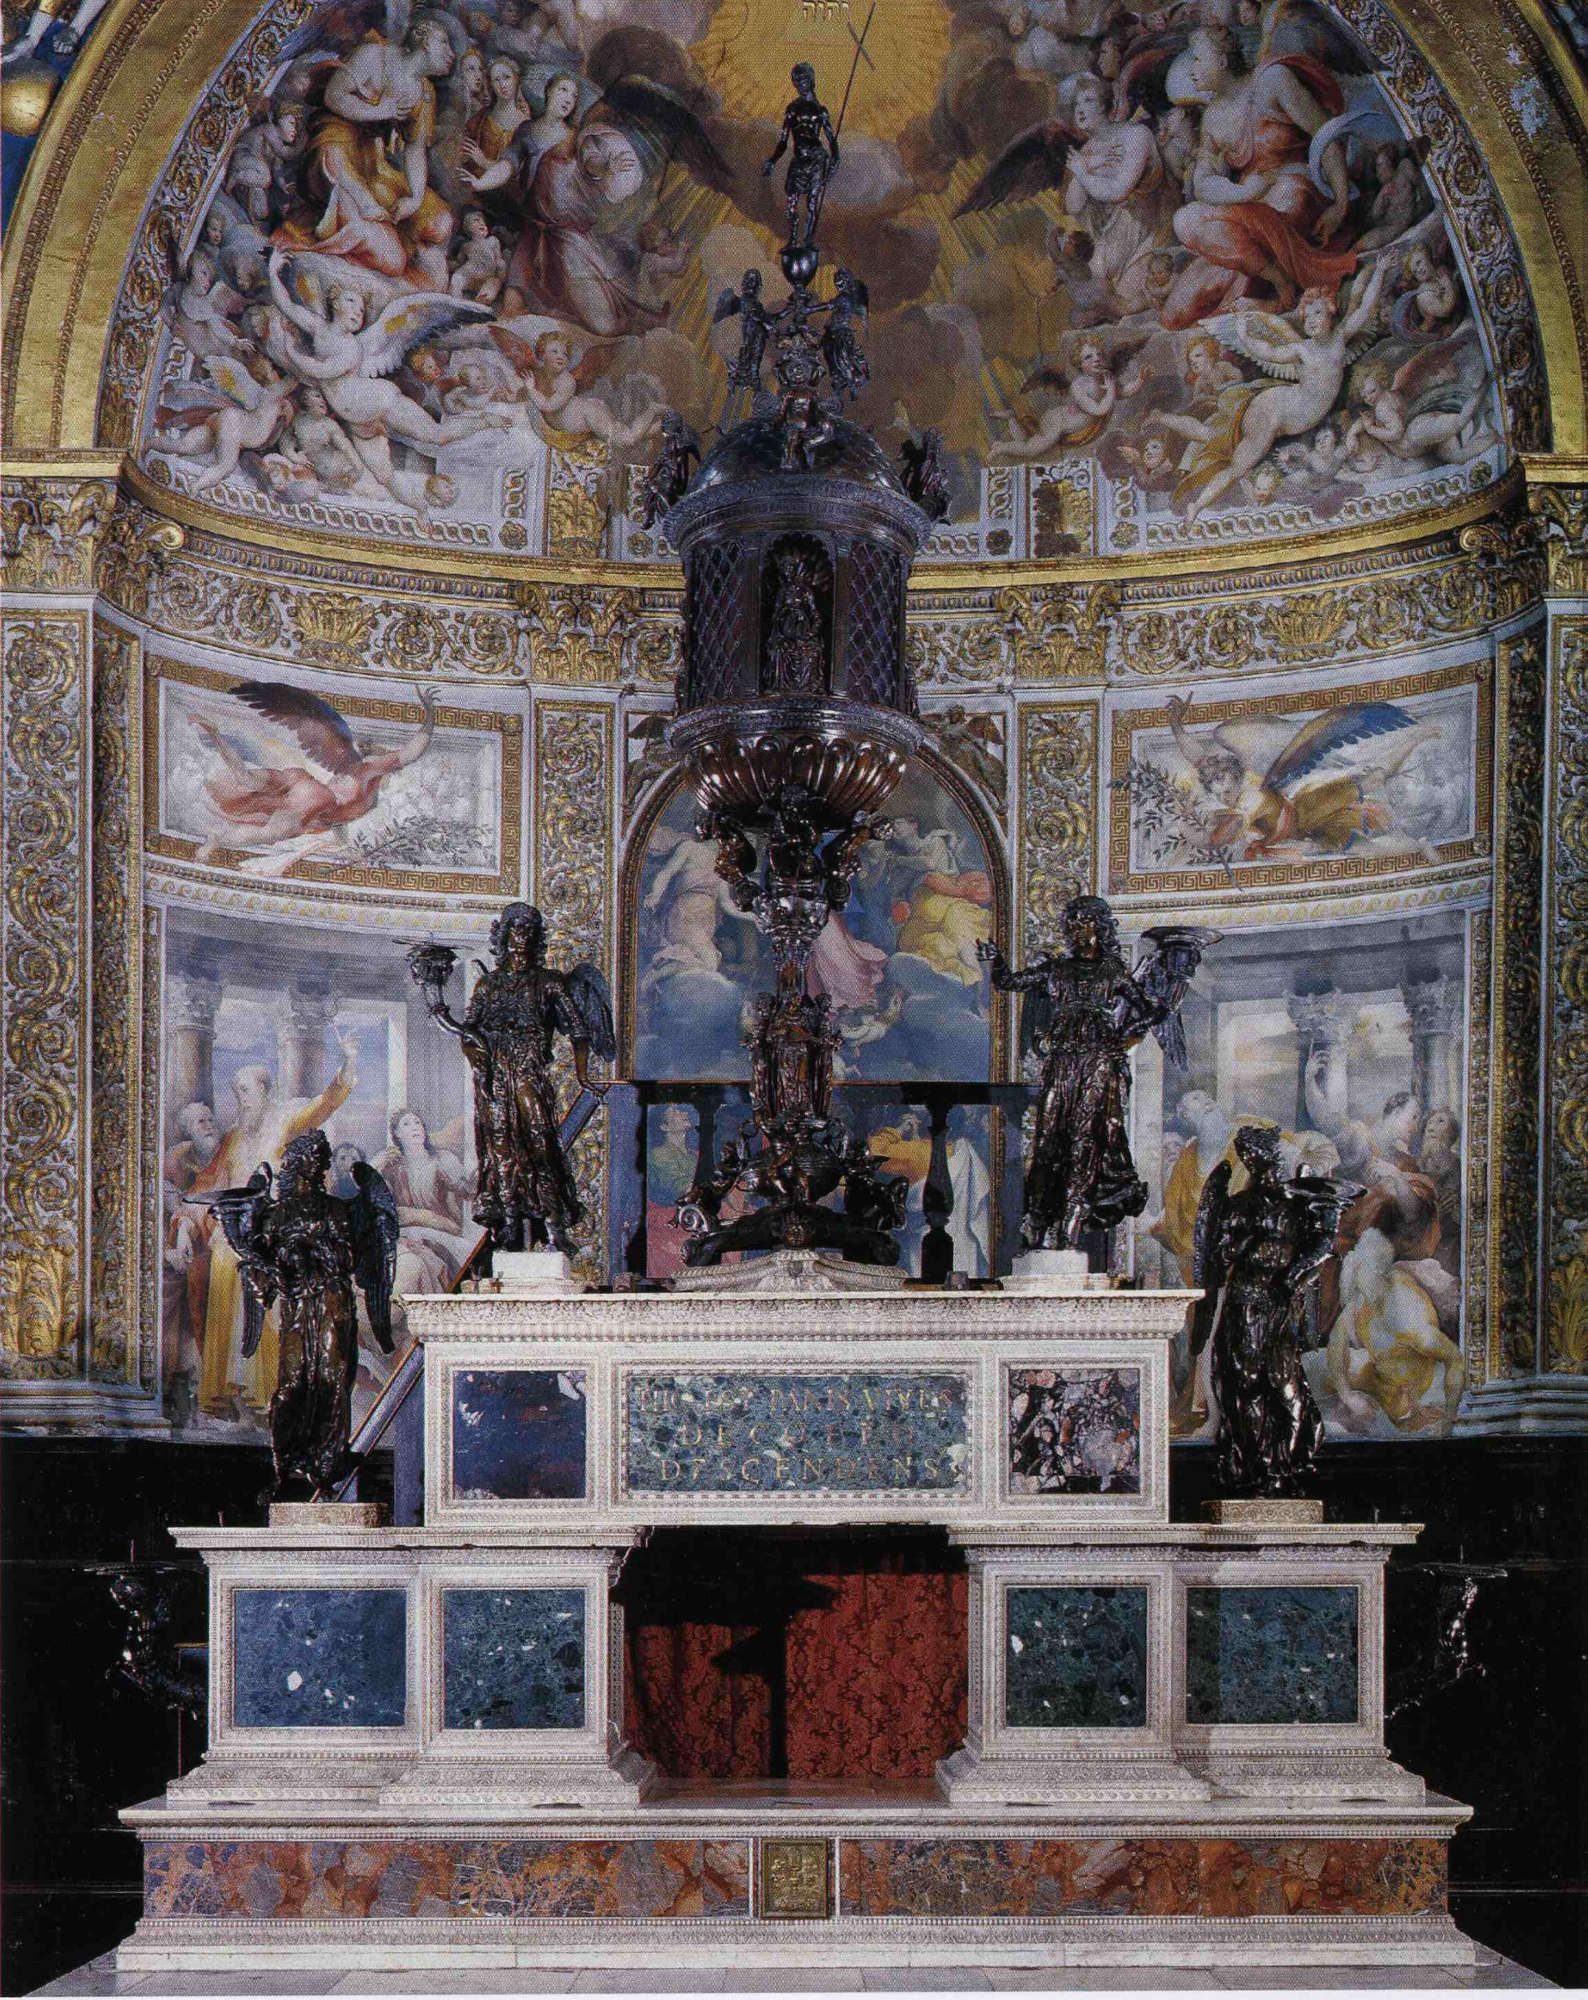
1273 1654
1074 1430
518 1434
513 1659
320 1659
864 1432
1076 1657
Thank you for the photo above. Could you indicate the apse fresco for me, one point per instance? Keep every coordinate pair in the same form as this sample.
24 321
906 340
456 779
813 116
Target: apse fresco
1156 278
1350 1039
898 963
271 779
268 1032
1279 789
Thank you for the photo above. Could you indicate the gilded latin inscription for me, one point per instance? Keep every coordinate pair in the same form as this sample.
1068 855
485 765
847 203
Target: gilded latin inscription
796 1433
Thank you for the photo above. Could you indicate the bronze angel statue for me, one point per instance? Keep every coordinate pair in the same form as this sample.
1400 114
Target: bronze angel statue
526 1194
1256 1253
307 1250
1085 1010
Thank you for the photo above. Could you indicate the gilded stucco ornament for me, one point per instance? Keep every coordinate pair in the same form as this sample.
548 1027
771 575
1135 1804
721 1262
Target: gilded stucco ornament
1518 931
52 532
1058 789
1561 511
43 922
579 635
1566 1281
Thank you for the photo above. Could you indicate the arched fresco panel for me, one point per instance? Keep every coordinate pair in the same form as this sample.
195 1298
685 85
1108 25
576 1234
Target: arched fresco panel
898 963
1155 285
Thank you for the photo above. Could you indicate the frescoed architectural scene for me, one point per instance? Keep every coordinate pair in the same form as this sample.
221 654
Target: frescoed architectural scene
338 336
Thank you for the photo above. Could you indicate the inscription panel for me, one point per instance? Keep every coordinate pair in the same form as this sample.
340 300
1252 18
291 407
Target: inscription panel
863 1431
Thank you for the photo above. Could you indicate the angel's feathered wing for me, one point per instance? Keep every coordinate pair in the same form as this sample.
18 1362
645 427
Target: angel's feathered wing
372 1219
1229 328
243 1213
591 999
1173 953
1207 1254
671 124
1320 735
315 723
407 321
1030 166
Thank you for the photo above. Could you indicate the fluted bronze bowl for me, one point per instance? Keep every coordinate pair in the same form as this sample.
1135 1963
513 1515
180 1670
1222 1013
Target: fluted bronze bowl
847 756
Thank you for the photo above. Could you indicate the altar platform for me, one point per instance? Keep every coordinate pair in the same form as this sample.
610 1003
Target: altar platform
1174 1750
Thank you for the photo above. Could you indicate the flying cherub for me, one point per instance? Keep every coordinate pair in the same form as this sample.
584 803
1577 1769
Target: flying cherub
557 378
352 361
1086 400
1308 363
1261 810
270 805
245 410
1425 409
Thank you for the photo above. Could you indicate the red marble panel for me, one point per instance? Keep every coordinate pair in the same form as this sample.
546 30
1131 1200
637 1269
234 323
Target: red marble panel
524 1879
1204 1878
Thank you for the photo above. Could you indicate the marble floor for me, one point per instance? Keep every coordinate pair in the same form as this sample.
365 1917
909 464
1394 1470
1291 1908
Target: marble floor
100 1976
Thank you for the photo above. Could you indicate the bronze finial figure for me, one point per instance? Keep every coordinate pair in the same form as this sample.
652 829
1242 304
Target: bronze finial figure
923 476
1085 1011
809 130
669 476
1256 1253
755 329
308 1249
847 316
526 1193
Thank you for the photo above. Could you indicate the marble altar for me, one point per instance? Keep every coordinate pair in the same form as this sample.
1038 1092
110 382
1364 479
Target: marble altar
1174 1751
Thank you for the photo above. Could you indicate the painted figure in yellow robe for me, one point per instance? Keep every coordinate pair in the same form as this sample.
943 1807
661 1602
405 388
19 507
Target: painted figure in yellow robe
261 1132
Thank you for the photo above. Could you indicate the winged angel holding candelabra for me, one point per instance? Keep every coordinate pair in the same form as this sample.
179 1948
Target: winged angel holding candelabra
308 1253
1085 1010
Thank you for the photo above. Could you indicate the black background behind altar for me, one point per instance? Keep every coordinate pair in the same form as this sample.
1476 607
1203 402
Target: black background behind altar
1488 1634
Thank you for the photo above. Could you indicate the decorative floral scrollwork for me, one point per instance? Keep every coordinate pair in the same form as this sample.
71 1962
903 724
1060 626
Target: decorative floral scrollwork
42 706
1058 763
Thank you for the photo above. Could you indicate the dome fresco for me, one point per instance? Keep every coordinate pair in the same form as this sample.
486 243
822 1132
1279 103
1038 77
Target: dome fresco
1161 282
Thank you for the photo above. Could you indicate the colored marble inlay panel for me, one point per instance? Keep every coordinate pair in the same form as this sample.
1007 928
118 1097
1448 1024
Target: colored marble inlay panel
518 1434
492 1879
1074 1430
1146 1878
796 1433
1281 1654
1076 1658
320 1659
513 1659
